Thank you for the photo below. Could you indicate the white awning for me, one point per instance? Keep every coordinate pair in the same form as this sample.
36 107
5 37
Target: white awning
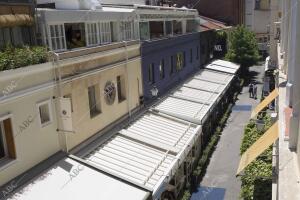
148 152
223 66
68 179
196 97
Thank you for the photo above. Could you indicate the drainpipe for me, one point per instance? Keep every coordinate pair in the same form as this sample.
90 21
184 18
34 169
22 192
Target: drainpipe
127 92
57 80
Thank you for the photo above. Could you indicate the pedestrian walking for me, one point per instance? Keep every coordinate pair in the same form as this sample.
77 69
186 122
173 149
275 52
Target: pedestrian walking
251 90
255 91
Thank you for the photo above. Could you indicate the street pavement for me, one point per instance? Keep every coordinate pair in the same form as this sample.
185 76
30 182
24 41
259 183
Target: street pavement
220 182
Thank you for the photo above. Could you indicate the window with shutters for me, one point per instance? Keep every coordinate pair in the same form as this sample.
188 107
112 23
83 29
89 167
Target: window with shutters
105 32
92 34
57 37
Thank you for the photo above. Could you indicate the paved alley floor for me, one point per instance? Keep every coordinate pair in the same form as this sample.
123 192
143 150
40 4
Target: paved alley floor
219 182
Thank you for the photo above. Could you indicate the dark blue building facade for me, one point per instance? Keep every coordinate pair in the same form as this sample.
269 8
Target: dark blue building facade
168 61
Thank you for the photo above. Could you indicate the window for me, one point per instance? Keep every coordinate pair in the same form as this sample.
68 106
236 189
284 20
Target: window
156 29
172 65
75 35
7 146
180 61
115 32
121 88
144 31
92 35
191 55
126 31
3 145
105 32
177 27
69 96
191 26
5 37
151 74
17 36
45 113
94 101
57 37
169 29
162 69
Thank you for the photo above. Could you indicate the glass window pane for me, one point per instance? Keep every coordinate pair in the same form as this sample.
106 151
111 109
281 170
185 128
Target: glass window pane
44 113
144 31
2 142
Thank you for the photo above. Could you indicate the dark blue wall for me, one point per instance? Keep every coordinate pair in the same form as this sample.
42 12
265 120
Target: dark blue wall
156 50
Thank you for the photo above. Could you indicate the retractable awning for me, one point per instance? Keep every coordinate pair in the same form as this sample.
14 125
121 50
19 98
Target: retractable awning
16 20
265 102
266 140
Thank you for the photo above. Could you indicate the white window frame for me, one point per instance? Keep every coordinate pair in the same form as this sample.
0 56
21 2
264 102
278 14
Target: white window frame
62 38
126 30
49 103
105 31
91 34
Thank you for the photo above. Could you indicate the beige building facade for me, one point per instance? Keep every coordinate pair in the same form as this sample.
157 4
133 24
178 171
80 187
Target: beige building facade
100 87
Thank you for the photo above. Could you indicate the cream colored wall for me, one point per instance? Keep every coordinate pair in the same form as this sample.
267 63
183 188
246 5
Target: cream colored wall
84 125
25 87
33 144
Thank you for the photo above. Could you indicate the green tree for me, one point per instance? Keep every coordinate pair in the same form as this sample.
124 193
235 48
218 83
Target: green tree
242 47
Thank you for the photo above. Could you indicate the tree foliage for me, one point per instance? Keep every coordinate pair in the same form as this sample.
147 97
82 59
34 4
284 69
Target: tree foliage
243 47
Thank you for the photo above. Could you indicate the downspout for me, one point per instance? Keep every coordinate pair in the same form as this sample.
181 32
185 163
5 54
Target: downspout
59 91
126 67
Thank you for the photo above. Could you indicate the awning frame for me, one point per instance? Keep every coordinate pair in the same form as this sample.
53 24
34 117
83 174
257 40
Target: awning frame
256 149
272 96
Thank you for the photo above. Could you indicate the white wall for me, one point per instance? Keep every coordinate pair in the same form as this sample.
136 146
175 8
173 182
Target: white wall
261 20
249 5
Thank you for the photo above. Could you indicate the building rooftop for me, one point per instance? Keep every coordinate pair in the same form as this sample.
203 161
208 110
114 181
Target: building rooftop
223 66
148 151
187 102
70 179
211 24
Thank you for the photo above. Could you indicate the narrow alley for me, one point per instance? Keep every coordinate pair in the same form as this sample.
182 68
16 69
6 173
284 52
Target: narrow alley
220 181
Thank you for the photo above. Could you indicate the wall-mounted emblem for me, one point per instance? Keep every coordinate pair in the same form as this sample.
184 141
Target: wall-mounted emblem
110 92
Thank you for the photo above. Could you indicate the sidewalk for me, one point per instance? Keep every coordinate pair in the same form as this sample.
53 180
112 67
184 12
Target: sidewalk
220 182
